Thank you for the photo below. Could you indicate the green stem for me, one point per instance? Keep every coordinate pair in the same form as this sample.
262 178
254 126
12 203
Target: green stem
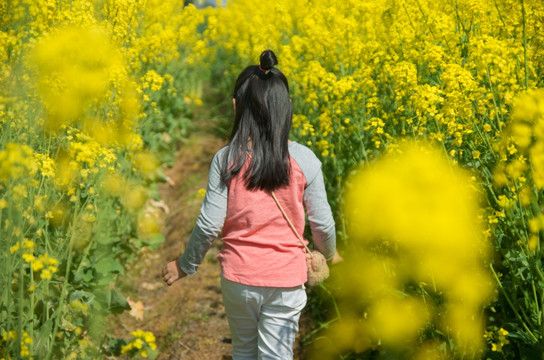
523 221
361 140
539 272
494 100
316 330
536 300
439 132
114 23
7 275
499 12
541 315
518 317
485 138
344 228
527 253
32 304
523 279
409 17
63 292
21 300
8 8
458 17
525 44
429 27
129 30
61 301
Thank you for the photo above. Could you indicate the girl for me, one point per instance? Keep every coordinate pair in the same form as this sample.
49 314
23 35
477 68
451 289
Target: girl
263 264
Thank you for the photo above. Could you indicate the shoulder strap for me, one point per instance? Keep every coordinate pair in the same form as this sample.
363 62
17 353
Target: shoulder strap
290 223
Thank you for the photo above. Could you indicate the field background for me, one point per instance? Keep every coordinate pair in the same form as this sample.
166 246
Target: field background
428 117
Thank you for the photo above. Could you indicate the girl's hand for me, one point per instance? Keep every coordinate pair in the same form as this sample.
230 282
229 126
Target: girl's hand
336 259
172 272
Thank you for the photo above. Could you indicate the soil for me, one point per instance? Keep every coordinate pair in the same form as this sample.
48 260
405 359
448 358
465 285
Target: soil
187 318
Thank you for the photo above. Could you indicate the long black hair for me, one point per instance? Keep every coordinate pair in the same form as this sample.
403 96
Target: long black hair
262 122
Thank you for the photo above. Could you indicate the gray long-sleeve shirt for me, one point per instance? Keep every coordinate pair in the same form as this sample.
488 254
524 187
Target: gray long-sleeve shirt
214 208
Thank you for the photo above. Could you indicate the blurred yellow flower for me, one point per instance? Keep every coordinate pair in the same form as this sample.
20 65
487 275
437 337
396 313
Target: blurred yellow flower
201 193
148 164
14 248
397 321
505 203
67 171
134 198
114 185
498 339
149 222
525 135
141 341
411 218
46 165
74 66
16 161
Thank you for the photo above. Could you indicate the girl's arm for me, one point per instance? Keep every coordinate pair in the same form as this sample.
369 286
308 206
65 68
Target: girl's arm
320 217
207 228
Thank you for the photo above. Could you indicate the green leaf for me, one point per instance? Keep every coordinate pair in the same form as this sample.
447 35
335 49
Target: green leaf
115 346
105 239
84 296
83 275
67 325
108 265
116 302
108 269
152 354
42 343
154 240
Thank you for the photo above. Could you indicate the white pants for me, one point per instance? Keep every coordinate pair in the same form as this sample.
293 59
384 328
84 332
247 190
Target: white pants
263 321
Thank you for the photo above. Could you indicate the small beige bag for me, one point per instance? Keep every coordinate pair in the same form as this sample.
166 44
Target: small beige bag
318 270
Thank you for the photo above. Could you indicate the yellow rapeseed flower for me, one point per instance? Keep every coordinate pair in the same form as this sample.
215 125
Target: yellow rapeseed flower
134 197
149 337
74 66
149 223
28 257
16 161
152 80
126 348
140 343
37 264
46 165
201 193
14 248
147 163
411 218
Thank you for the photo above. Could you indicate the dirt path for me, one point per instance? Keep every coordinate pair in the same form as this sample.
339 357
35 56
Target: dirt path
188 318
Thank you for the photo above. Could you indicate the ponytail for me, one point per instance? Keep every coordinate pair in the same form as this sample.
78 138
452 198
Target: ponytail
262 121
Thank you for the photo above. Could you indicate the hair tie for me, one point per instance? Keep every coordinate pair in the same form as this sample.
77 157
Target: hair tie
263 70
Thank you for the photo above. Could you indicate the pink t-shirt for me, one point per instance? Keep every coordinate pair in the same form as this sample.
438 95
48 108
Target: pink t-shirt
259 248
